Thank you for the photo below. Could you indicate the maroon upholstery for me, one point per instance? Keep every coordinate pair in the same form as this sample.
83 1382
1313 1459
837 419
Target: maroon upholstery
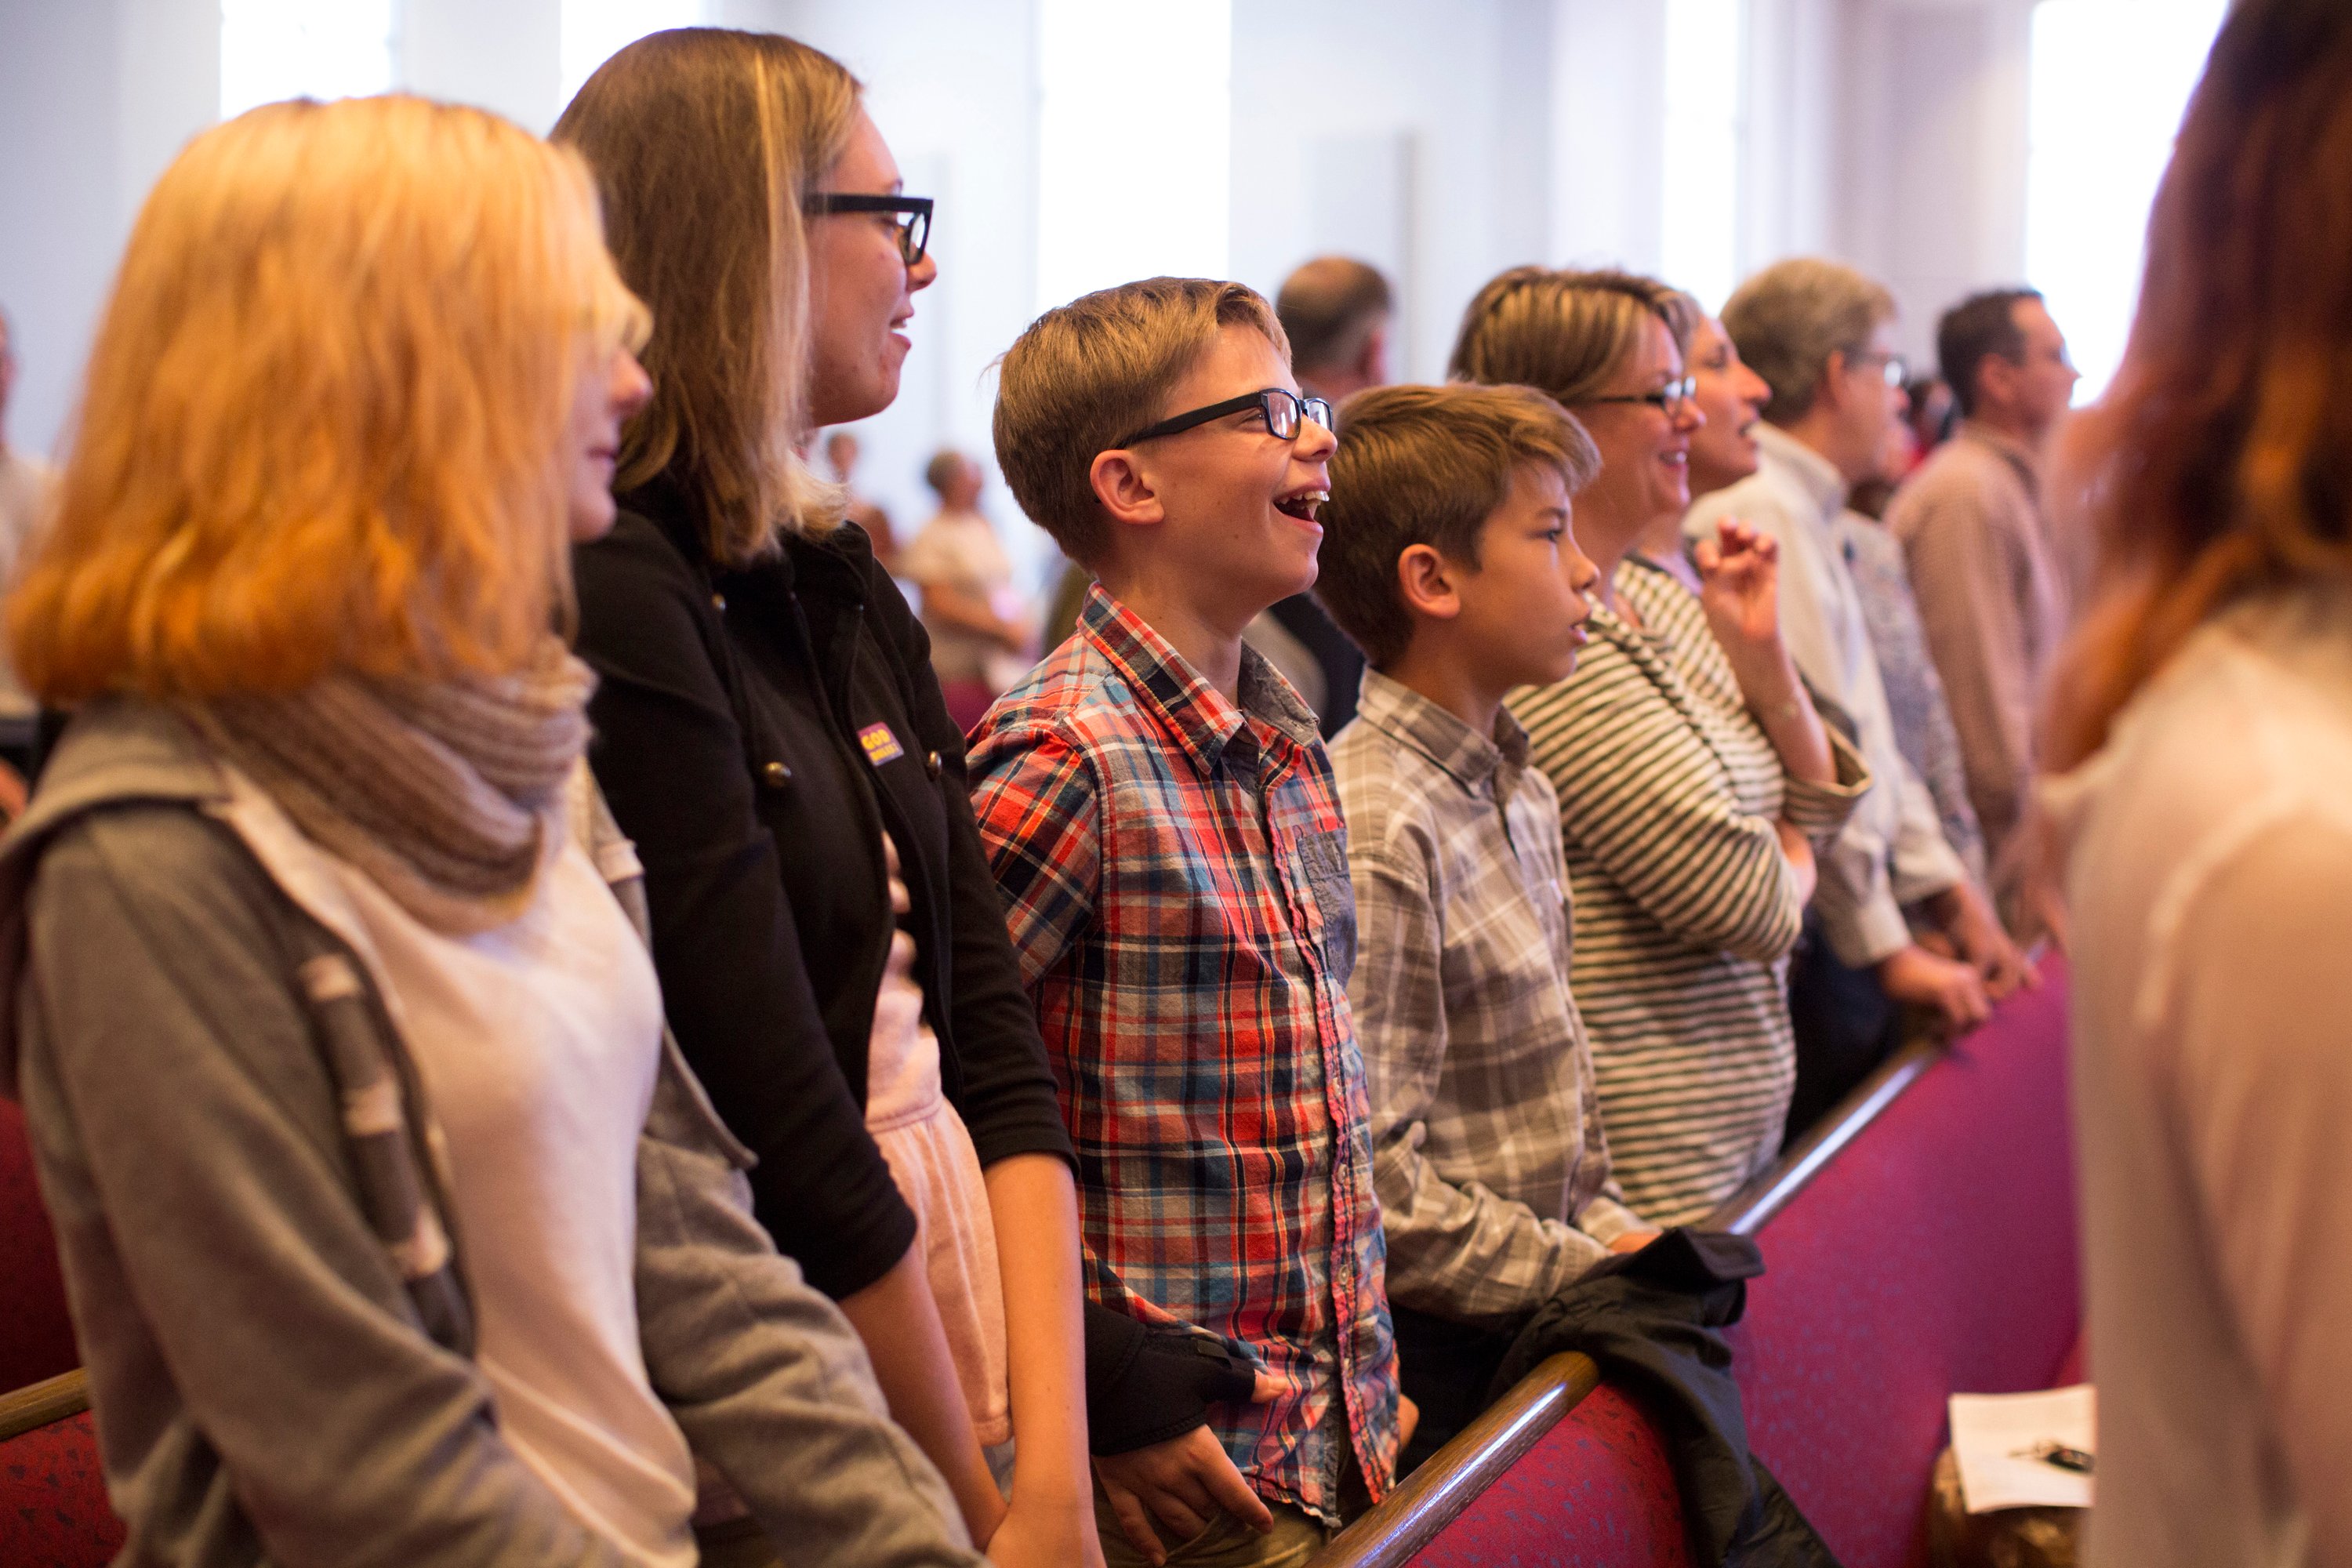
53 1509
968 701
1934 1254
1593 1491
36 1336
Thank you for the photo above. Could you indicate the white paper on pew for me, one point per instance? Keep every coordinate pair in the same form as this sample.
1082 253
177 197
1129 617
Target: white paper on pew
1992 1432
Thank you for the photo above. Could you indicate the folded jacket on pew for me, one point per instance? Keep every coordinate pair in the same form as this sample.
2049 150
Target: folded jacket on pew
1652 1319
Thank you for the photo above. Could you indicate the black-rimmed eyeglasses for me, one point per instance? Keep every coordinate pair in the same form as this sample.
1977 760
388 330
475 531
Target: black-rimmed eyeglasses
1669 400
1284 413
913 213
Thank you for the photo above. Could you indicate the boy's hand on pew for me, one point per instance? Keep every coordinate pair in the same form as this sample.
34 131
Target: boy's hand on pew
1184 1482
1953 990
1408 1420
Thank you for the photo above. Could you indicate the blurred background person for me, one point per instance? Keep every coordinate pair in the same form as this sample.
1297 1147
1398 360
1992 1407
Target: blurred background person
841 455
1340 313
26 484
2206 709
1691 771
1914 692
1984 563
1913 689
1931 416
982 634
1820 334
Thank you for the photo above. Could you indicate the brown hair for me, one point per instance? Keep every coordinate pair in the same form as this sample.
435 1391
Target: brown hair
706 144
1428 464
1977 326
1565 332
1087 374
2220 460
322 422
1789 319
1330 307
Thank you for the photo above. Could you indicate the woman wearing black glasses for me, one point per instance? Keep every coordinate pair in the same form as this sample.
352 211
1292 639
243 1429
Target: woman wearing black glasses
1691 771
833 954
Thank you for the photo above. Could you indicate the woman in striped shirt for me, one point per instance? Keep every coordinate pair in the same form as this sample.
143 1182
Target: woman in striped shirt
1692 769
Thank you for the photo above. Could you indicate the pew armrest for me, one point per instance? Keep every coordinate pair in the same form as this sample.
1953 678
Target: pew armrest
38 1404
1749 1209
1428 1499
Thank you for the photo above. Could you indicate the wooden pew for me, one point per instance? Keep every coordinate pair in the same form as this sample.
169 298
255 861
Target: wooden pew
1920 1242
53 1507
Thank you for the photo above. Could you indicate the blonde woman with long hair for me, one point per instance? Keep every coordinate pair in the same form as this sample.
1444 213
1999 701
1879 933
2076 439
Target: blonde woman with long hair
395 1230
771 732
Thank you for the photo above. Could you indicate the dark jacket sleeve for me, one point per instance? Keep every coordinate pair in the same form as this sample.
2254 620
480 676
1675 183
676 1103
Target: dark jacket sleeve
670 758
1008 1099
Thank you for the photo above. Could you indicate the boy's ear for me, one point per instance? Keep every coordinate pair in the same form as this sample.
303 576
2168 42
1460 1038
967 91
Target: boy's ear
1124 490
1430 582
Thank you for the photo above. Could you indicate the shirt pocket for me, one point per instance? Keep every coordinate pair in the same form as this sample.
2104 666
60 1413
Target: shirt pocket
1323 864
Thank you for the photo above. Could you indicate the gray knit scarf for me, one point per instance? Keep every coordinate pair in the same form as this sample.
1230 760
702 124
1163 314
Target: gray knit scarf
448 795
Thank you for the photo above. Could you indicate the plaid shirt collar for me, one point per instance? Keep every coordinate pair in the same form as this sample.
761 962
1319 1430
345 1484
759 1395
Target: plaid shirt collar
1194 712
1471 760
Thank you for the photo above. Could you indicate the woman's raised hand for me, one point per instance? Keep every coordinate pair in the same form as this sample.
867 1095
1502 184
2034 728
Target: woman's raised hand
1739 586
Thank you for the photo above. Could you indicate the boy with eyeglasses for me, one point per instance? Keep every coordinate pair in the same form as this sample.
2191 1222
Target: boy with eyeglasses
1161 815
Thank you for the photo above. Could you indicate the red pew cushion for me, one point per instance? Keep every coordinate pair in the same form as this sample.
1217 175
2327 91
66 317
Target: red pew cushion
1934 1255
1594 1490
53 1508
37 1339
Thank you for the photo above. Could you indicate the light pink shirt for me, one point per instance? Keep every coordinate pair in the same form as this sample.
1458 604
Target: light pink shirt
2210 881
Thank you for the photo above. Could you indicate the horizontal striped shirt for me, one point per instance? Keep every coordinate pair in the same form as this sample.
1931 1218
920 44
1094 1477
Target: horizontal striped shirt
1486 1139
1890 851
1685 907
1174 871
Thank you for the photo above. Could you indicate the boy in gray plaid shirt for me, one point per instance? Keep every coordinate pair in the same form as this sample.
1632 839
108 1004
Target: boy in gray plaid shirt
1447 556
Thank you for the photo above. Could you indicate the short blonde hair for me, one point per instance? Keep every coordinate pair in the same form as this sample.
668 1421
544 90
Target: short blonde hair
706 144
321 429
1789 319
1566 333
1087 374
1428 464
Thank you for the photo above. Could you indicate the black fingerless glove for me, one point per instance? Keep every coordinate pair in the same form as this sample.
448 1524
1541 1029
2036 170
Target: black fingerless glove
1146 1384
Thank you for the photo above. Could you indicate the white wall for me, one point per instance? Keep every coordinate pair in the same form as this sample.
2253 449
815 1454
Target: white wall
1933 166
1446 141
96 97
1452 98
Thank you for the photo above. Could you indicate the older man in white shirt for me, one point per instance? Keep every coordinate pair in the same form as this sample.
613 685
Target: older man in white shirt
1818 334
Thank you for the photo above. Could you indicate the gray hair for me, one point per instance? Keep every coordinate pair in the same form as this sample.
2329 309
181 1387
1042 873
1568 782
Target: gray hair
1789 318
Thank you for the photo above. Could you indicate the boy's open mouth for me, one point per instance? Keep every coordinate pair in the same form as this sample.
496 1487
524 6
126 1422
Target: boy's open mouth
1302 504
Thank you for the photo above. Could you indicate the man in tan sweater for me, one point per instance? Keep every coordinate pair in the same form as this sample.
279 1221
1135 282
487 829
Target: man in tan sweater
1985 566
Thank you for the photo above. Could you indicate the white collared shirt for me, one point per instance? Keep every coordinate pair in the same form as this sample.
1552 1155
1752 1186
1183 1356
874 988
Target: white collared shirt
1892 851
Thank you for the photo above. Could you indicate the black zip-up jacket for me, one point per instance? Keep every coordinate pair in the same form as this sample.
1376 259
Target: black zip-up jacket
756 732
